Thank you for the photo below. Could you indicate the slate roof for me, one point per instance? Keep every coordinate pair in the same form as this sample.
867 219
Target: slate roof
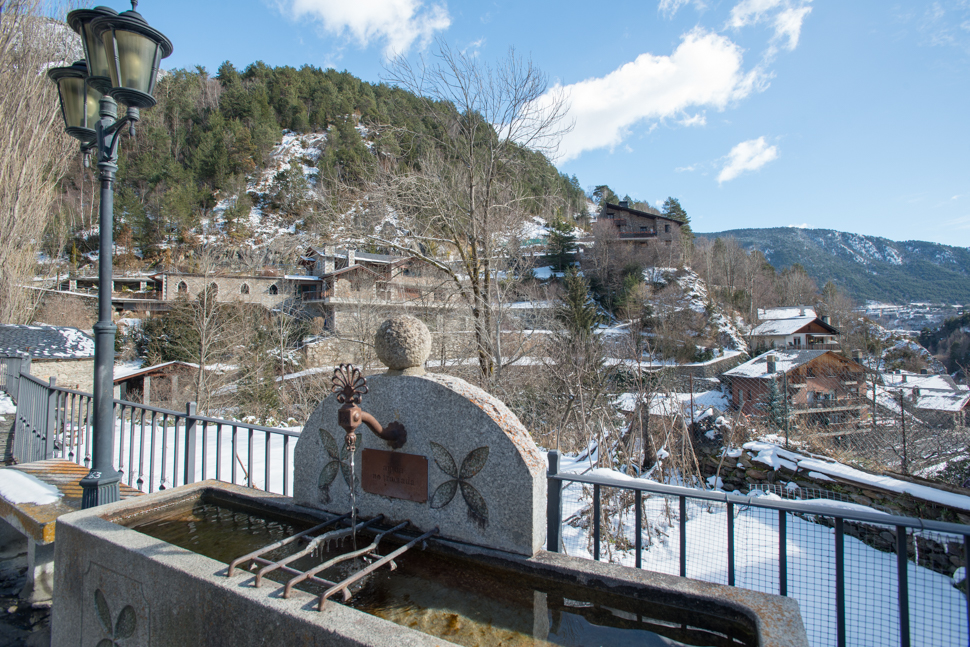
45 342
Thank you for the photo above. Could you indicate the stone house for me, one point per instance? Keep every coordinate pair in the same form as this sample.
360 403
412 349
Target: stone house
824 388
640 227
344 286
267 291
64 353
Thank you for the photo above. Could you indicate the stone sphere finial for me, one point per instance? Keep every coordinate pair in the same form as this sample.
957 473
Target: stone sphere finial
403 343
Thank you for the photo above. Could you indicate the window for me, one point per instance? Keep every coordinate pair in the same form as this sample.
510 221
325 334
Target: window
244 289
666 229
809 371
183 287
214 289
273 289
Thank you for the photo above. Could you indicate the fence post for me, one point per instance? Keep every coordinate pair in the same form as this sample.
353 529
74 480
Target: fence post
50 421
902 577
554 505
190 441
19 436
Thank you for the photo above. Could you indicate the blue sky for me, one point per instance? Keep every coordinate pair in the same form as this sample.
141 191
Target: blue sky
754 113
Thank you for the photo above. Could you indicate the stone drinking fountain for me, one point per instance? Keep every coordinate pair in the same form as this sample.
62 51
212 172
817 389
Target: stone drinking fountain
418 518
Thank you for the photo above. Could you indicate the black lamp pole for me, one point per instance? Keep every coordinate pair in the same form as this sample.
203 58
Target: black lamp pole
122 56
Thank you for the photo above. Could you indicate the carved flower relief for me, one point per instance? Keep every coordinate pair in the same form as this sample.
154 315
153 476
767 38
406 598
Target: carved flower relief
121 629
338 463
470 466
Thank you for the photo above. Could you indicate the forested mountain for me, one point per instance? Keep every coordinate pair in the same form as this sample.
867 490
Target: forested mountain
866 267
209 139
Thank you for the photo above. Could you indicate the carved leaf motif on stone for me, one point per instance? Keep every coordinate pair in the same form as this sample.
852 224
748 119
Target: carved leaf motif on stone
339 463
328 474
470 466
444 494
473 463
477 509
444 460
104 613
123 628
329 444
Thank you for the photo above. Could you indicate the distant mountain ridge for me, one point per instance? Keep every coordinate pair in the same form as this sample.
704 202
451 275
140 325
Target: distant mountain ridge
866 267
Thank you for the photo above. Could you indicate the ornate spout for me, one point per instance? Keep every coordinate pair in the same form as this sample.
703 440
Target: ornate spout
350 385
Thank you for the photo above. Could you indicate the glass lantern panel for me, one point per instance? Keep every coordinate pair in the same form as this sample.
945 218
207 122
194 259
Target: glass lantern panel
94 52
136 54
72 101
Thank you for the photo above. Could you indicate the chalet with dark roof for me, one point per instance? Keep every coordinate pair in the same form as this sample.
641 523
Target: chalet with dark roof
824 388
640 227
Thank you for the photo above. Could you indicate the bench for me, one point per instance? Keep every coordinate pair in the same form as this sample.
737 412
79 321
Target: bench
35 522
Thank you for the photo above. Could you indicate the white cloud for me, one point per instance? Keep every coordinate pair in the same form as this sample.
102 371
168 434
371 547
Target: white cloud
397 22
747 156
700 119
670 7
785 16
685 169
705 70
804 225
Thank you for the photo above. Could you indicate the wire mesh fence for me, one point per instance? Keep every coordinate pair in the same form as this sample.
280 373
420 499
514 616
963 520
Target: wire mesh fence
842 565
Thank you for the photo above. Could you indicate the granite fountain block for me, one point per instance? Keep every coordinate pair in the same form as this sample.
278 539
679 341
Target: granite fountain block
469 466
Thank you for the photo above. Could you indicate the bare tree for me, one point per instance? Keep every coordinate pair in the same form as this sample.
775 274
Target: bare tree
469 198
34 151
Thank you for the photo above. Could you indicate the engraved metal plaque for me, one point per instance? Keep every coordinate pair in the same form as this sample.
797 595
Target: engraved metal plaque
393 474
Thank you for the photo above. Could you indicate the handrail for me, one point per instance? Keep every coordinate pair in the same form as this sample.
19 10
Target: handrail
799 507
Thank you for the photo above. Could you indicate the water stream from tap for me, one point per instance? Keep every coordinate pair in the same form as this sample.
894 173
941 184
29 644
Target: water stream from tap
353 501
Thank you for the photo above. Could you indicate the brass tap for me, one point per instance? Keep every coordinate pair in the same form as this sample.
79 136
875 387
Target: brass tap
350 385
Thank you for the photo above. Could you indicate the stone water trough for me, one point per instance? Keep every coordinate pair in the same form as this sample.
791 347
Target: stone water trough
448 546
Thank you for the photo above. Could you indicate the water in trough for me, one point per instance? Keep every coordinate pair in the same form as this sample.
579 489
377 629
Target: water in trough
443 596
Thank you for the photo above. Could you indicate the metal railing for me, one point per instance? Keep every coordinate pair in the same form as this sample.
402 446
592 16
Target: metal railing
861 578
155 448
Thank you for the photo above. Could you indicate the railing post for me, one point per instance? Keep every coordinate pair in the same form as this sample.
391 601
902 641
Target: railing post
902 574
50 421
839 582
191 433
19 435
553 505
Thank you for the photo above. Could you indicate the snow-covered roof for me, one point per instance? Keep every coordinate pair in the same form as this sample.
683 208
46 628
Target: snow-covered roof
45 342
786 313
782 326
360 256
785 360
907 380
127 372
949 401
670 404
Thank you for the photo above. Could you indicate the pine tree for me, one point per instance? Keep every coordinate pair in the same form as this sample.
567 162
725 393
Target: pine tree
578 310
672 209
561 245
774 405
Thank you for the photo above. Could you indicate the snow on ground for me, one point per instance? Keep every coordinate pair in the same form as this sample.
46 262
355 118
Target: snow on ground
6 404
17 487
937 609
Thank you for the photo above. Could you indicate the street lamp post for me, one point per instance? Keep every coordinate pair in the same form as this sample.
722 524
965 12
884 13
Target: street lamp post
122 55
